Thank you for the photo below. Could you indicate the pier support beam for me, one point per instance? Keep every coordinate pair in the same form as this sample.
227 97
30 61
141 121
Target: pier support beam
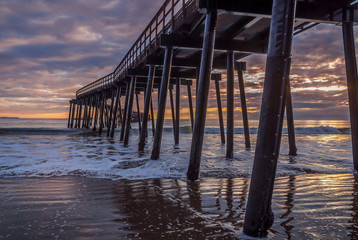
152 115
79 115
113 125
172 109
103 106
73 113
138 110
129 111
352 79
147 104
230 105
259 216
202 92
177 110
111 113
241 66
190 100
124 118
220 111
290 121
69 115
162 102
96 112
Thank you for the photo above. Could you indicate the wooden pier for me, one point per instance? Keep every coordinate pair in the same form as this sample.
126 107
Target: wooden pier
182 45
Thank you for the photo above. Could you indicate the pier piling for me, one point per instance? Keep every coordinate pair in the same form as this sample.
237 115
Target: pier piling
124 119
352 78
259 216
202 92
230 105
162 102
177 111
129 110
147 105
241 66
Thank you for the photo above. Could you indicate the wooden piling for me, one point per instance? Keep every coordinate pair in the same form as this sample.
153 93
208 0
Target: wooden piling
69 115
230 105
124 119
96 112
190 101
172 109
290 121
138 110
259 216
147 104
241 66
177 111
85 113
103 105
162 102
129 110
352 79
80 114
113 125
152 115
111 113
202 92
220 111
73 112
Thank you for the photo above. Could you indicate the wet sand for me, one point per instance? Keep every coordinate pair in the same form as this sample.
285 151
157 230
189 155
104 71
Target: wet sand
311 206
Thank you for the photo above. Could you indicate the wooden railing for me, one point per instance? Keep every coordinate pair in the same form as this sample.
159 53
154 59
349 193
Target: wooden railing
163 22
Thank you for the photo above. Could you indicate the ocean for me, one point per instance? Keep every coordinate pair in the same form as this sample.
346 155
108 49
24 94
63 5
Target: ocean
118 192
38 147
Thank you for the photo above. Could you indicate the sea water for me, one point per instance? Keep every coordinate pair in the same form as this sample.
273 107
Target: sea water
46 147
60 183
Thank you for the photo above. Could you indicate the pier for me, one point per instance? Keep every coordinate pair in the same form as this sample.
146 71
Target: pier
199 42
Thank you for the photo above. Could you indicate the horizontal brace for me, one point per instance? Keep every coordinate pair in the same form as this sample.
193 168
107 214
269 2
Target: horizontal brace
329 11
187 42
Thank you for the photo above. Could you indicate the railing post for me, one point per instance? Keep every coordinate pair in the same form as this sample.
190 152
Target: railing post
129 110
162 102
352 78
147 102
259 216
203 91
241 66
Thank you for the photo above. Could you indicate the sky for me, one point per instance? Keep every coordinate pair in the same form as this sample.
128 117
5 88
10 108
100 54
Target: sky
49 49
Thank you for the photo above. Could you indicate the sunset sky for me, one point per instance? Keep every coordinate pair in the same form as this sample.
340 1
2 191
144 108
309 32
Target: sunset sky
49 49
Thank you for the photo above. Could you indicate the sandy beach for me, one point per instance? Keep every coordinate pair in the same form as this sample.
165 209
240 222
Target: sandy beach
316 206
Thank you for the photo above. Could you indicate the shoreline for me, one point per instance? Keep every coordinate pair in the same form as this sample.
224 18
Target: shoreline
306 206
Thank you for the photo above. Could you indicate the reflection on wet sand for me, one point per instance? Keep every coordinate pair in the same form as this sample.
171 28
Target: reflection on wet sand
305 206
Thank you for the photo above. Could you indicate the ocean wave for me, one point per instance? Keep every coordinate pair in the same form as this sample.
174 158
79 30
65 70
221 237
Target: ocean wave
184 130
38 131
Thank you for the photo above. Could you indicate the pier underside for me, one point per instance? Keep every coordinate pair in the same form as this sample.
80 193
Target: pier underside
198 42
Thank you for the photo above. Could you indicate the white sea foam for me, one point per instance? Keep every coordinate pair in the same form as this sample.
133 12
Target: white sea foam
58 151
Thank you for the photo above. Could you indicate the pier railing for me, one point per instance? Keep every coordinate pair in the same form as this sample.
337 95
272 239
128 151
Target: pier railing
163 22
